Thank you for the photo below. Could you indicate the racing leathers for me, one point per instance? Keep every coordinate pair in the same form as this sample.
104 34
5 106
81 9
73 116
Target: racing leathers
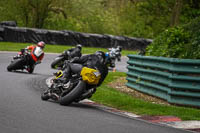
36 54
73 52
91 61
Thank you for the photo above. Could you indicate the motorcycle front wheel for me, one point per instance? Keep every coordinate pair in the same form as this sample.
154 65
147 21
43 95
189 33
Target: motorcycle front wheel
45 96
57 62
16 64
73 94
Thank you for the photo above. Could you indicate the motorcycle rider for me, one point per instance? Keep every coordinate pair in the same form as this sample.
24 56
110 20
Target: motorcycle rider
37 52
95 61
74 52
67 55
119 49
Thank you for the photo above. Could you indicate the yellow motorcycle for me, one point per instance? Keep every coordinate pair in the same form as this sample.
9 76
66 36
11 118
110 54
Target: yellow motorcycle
79 87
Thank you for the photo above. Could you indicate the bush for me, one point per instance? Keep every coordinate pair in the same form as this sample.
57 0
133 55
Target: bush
179 42
171 43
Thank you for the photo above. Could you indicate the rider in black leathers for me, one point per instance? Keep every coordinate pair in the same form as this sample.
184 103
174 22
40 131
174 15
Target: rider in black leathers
67 55
74 52
95 61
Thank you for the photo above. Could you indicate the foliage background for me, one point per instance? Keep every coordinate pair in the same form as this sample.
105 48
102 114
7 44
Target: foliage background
136 18
161 20
178 42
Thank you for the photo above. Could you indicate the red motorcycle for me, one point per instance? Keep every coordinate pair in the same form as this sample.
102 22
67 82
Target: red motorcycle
21 61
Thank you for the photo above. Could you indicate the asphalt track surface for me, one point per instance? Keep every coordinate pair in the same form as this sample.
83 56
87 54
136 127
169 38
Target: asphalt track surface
22 110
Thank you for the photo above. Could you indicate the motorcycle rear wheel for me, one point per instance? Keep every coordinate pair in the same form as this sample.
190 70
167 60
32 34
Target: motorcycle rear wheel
31 69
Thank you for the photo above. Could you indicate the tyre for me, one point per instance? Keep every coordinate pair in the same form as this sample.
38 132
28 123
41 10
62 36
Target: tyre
45 96
31 69
56 63
73 94
17 64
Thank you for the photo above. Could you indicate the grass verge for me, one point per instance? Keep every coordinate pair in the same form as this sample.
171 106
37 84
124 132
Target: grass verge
114 98
10 46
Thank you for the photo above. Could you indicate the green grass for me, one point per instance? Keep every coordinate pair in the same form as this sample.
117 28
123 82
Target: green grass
10 46
112 97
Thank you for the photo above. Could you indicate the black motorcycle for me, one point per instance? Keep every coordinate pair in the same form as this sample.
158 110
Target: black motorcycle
22 61
66 55
76 89
59 61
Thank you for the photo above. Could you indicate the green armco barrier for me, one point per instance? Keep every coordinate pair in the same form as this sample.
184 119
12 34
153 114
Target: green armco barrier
174 80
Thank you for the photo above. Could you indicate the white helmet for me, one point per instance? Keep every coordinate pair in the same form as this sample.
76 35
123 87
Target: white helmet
41 44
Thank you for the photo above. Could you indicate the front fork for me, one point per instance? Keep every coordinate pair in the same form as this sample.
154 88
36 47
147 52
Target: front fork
51 95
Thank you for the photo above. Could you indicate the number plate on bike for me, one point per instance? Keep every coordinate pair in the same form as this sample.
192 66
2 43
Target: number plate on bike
97 73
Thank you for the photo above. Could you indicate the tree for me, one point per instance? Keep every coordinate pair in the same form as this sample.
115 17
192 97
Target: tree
33 13
176 12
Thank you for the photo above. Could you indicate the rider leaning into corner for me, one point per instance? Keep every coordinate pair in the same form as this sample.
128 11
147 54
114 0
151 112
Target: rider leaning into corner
37 52
95 61
74 52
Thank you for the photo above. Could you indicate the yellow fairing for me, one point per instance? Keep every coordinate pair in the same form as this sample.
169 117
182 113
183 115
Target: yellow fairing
91 76
59 74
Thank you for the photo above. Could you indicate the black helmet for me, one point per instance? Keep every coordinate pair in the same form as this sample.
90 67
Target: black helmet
101 56
79 46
